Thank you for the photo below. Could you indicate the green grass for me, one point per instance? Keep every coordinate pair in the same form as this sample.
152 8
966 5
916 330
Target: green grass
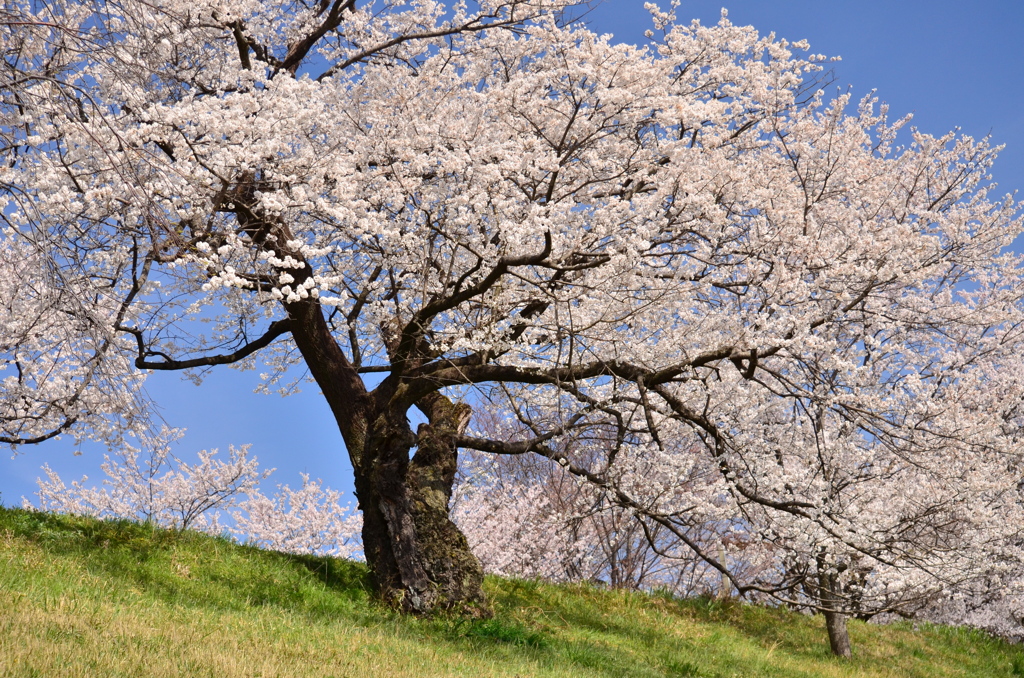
80 597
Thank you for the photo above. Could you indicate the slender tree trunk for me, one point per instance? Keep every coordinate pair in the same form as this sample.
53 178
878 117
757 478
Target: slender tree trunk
838 637
835 622
420 561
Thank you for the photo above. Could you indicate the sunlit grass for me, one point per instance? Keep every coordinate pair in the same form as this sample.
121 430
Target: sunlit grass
80 597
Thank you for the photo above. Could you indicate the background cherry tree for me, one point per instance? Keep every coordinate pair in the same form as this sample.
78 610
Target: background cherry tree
652 261
223 498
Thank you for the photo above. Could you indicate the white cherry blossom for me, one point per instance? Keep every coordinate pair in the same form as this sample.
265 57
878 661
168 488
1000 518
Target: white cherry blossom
657 263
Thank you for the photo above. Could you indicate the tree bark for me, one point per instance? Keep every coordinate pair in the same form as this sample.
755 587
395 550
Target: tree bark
838 637
835 621
419 560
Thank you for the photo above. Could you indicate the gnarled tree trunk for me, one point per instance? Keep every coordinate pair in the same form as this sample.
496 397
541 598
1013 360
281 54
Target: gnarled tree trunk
420 561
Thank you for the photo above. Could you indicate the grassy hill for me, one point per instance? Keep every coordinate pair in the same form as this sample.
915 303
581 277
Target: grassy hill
80 597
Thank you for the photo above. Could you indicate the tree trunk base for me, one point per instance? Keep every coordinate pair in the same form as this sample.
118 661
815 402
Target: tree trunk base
838 636
421 562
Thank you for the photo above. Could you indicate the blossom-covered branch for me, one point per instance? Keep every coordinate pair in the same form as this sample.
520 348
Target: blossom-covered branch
651 260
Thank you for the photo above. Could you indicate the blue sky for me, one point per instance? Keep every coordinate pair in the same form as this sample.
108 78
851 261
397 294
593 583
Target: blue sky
951 64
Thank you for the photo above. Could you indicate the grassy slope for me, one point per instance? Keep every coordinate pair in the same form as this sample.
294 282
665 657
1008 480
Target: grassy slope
80 597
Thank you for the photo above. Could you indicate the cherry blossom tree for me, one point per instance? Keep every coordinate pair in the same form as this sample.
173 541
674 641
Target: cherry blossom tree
151 484
61 371
311 519
654 260
526 516
995 606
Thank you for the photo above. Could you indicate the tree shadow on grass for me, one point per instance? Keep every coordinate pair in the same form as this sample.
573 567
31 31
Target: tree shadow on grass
608 619
346 577
564 635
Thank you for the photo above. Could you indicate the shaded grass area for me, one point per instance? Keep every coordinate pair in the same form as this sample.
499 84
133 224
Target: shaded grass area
81 597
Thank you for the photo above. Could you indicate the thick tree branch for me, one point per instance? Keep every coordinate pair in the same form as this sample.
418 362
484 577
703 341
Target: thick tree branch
276 329
298 50
242 42
43 437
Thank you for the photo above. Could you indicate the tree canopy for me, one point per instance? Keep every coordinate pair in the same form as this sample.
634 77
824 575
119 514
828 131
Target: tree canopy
680 271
